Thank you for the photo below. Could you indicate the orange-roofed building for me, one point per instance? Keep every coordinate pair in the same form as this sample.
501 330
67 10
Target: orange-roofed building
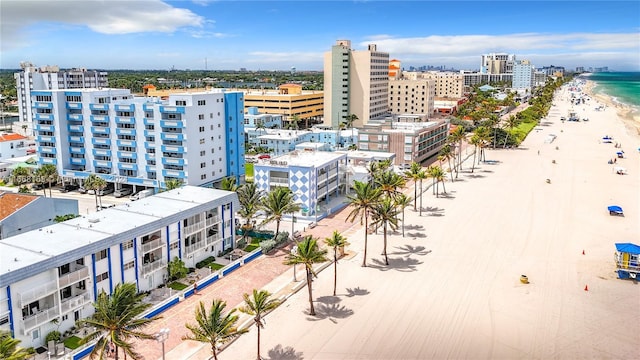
13 145
395 69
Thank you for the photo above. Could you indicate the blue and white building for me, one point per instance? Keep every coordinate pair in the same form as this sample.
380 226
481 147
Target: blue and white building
57 272
523 75
197 138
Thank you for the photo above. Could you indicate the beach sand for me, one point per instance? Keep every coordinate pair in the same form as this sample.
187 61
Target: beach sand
452 289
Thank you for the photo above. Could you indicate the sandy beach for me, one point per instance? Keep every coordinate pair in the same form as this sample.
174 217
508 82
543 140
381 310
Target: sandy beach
452 289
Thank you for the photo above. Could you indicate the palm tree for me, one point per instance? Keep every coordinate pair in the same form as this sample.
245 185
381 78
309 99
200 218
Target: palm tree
403 201
476 142
171 184
438 175
214 328
389 182
510 124
385 213
250 197
484 137
335 241
348 121
447 153
9 349
47 173
117 319
363 200
278 202
412 174
421 176
20 176
39 178
95 183
258 305
458 135
228 183
308 254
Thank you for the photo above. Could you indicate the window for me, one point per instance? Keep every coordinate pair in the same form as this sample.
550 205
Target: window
174 245
202 153
213 162
101 254
203 176
129 265
201 141
181 103
201 129
201 117
127 245
4 320
203 165
202 102
103 276
213 150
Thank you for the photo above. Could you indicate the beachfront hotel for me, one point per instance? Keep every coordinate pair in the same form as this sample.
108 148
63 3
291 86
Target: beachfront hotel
355 82
57 272
140 142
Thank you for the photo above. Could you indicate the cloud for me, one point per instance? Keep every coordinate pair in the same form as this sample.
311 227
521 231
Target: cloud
105 17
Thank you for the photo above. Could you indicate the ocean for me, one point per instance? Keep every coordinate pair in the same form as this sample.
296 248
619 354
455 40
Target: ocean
623 87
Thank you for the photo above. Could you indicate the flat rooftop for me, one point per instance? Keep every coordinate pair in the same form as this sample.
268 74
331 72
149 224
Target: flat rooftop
303 159
28 254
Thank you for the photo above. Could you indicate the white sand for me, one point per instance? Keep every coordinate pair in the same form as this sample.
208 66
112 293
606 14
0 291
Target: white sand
453 290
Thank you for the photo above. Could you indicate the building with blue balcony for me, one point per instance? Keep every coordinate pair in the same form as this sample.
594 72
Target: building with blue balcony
57 271
141 142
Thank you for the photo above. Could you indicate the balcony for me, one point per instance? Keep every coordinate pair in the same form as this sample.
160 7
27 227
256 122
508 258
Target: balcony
121 131
213 220
99 106
38 292
149 121
42 105
127 166
190 229
149 156
172 109
75 128
99 118
174 173
44 138
174 149
75 302
77 161
127 107
100 163
212 239
73 105
101 152
52 161
40 318
129 143
190 249
147 107
101 141
150 169
77 150
76 139
125 120
76 117
148 133
279 181
171 124
82 273
39 116
152 267
148 145
152 245
100 130
172 136
170 161
127 155
40 127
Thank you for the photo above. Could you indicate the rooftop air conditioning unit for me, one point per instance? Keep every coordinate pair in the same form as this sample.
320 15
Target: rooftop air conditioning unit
94 220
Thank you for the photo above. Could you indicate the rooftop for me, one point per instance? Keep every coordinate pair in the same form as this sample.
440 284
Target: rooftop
303 159
12 202
11 137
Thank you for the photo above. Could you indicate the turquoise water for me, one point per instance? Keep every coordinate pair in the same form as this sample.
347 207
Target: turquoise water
623 87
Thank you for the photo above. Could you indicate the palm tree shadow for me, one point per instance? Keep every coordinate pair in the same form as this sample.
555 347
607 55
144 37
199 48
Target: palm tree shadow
487 171
403 264
475 176
351 292
416 235
446 195
330 311
407 250
413 227
328 299
434 211
287 353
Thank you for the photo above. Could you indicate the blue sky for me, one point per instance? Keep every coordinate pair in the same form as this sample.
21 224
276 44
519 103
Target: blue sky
278 35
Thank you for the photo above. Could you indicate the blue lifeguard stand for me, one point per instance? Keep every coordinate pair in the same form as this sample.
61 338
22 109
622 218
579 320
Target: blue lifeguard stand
627 260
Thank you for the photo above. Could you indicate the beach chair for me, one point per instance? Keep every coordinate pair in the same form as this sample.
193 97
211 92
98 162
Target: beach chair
615 210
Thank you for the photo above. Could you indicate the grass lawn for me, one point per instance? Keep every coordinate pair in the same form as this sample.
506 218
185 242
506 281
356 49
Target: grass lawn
248 170
251 247
523 129
215 266
177 286
72 342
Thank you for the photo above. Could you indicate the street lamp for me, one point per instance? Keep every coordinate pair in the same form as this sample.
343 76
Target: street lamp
294 252
161 337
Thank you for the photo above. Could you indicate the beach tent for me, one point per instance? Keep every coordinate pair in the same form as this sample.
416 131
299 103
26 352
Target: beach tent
615 210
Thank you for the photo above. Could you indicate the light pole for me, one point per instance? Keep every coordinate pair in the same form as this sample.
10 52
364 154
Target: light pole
294 252
161 337
293 221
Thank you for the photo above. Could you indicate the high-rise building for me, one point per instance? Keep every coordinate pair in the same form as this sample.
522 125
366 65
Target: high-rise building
523 75
355 82
140 142
497 63
34 78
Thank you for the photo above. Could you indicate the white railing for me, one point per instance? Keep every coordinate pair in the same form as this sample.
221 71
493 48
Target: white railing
40 318
213 238
195 247
213 220
190 229
151 245
75 302
38 293
73 277
154 266
275 180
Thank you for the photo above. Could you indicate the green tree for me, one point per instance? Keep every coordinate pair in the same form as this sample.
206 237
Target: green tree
117 320
335 241
308 254
362 201
446 153
277 203
437 173
403 201
171 184
413 174
20 176
348 122
10 350
214 328
389 183
422 175
228 183
258 305
47 173
484 138
385 213
510 124
176 269
476 142
95 183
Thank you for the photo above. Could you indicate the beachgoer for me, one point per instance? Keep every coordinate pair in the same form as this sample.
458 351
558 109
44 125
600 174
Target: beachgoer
195 288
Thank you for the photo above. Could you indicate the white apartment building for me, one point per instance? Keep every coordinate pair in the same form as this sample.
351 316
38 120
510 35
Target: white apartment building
14 145
523 75
497 63
57 272
355 82
197 138
34 78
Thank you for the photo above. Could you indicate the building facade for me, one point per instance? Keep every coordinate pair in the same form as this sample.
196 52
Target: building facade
523 75
20 213
355 82
290 102
196 138
497 63
411 96
34 78
14 145
57 272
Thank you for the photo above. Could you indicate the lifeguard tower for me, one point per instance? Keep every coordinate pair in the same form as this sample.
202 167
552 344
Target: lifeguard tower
627 260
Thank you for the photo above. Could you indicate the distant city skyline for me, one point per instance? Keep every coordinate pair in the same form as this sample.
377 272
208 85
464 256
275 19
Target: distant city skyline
279 35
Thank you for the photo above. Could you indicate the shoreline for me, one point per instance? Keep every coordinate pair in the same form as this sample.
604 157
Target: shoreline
627 113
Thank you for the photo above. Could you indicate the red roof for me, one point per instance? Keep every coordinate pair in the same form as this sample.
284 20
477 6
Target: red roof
11 202
11 137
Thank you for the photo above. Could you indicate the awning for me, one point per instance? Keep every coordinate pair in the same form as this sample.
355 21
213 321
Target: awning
628 248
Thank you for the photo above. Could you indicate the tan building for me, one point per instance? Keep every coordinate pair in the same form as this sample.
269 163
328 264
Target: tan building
411 96
355 82
289 101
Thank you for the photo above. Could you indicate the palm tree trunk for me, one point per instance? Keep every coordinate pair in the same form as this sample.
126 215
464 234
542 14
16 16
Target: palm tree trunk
50 189
420 197
444 189
402 222
312 311
386 259
277 229
335 269
505 140
473 163
366 233
215 353
96 196
451 171
415 195
258 326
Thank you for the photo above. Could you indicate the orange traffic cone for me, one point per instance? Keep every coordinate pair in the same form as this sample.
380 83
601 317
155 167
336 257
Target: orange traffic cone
586 288
582 252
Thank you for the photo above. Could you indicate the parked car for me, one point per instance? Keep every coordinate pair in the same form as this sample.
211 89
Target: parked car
40 186
122 192
82 190
105 191
264 156
141 194
69 187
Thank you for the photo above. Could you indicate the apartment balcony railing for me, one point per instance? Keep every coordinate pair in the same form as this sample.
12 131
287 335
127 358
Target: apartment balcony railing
190 229
195 247
81 273
76 150
213 220
42 317
154 266
152 245
214 239
38 292
75 302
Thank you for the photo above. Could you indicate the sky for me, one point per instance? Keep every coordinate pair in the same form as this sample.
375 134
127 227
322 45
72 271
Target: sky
280 35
